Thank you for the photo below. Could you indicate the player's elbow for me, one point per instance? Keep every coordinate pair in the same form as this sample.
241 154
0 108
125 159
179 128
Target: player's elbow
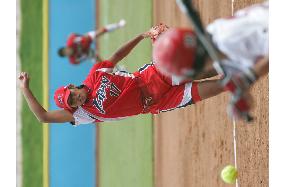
43 118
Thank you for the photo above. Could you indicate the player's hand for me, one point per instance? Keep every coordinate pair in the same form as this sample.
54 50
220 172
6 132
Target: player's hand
238 80
153 32
24 80
240 106
156 31
146 34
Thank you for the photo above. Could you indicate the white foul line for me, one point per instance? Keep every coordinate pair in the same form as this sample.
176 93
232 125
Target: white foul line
234 121
235 147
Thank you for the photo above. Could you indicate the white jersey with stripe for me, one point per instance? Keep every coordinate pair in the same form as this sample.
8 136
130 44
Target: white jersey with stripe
244 38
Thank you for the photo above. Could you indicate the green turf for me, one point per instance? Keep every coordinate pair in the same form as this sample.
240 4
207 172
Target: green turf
31 62
126 147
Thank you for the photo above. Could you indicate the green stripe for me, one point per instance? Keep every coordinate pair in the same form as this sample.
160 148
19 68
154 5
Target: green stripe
126 147
31 62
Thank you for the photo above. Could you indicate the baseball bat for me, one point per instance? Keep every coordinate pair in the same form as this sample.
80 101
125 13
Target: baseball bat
188 9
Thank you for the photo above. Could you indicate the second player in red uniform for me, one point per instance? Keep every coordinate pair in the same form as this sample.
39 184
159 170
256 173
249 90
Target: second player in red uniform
78 47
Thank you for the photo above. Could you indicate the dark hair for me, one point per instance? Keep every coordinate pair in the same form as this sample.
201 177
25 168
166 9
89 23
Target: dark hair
80 86
200 58
61 52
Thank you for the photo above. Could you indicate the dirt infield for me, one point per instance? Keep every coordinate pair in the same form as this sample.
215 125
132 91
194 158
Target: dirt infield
192 145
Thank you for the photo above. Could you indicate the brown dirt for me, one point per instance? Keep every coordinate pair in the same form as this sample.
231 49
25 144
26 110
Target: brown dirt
192 145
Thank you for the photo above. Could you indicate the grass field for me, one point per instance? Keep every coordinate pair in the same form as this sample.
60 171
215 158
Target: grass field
31 61
126 147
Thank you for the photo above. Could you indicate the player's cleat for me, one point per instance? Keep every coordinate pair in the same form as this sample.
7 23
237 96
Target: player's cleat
115 26
121 23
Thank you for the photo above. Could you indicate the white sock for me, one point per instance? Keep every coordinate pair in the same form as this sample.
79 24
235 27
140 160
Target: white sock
114 26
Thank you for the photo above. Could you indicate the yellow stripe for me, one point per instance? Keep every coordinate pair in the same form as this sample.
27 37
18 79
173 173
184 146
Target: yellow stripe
45 94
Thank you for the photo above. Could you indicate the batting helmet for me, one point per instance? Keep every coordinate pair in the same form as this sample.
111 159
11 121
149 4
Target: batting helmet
178 52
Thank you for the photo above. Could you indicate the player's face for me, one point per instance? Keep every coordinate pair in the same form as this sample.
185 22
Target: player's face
68 51
77 97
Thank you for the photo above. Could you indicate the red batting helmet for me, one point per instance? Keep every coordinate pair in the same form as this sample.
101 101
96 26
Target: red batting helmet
178 52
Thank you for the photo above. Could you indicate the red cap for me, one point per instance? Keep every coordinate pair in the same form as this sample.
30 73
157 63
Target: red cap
61 97
175 51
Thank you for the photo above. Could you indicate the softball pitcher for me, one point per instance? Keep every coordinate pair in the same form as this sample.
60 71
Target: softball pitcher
106 95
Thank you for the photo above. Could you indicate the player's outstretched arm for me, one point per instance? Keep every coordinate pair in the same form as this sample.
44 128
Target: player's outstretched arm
56 116
124 50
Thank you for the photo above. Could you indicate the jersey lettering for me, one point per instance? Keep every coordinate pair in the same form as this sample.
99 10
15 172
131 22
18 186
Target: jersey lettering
114 90
101 95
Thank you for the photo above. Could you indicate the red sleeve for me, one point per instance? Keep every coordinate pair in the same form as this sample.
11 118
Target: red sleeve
92 75
103 64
